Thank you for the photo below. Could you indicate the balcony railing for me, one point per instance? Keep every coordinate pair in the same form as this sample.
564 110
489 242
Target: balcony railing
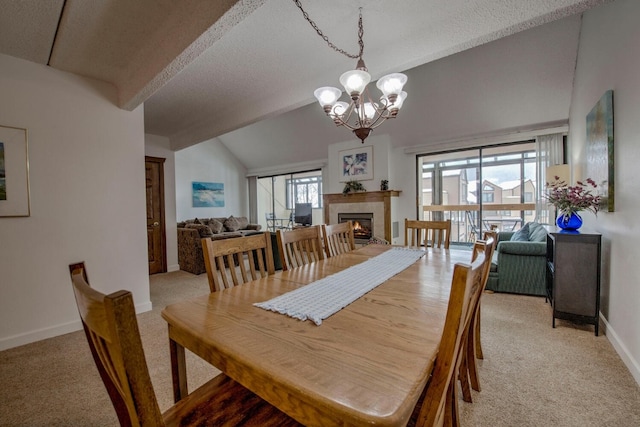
468 223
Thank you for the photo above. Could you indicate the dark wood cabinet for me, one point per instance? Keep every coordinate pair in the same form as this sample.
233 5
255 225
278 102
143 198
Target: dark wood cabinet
573 276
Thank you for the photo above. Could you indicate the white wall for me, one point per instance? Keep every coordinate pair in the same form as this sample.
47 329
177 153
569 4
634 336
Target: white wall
159 146
381 144
608 59
86 160
210 161
403 175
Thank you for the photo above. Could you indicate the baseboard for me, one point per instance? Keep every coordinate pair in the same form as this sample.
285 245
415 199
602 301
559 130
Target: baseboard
621 349
141 308
171 268
54 331
39 335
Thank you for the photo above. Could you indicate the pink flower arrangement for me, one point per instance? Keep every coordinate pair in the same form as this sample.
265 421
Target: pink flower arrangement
572 199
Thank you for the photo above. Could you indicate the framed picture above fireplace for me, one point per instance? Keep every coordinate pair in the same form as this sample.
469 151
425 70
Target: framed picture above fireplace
357 164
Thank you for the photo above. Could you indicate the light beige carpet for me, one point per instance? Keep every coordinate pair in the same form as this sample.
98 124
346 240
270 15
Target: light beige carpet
532 375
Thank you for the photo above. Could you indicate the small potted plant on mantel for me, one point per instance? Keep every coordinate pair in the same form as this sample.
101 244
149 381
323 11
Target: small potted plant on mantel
353 187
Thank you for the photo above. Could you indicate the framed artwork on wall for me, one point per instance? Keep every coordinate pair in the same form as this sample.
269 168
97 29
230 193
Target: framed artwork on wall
357 164
207 194
600 149
14 172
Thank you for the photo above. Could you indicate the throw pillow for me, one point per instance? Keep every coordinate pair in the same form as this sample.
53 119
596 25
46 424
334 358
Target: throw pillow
215 226
203 230
231 224
537 233
521 235
242 222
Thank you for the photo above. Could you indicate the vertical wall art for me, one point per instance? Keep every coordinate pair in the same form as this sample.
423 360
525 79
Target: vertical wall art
357 164
14 172
600 149
207 194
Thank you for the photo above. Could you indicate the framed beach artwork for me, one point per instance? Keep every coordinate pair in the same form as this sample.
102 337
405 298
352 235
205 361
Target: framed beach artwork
207 194
600 149
14 172
357 164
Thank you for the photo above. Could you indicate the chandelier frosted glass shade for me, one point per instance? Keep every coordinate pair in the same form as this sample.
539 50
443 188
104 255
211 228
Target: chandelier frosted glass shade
354 82
397 104
361 114
391 84
327 97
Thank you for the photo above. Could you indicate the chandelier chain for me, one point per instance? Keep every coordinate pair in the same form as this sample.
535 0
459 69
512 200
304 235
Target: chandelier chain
326 39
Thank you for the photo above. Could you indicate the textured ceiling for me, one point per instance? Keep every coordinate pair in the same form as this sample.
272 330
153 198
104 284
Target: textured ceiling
208 69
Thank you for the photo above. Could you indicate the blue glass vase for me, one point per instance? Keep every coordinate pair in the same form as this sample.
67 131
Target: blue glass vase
570 222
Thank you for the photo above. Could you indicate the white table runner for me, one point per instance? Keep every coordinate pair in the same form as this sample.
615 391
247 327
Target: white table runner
322 298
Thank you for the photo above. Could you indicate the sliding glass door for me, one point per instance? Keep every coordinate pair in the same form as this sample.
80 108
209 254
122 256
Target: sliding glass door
280 196
508 186
479 189
447 190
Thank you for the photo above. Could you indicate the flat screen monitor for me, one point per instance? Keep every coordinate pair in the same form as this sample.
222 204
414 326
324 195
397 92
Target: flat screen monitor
303 213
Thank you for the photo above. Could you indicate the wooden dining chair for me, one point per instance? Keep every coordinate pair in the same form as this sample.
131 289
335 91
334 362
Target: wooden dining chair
427 233
437 404
224 259
300 246
111 327
488 235
468 367
482 250
338 238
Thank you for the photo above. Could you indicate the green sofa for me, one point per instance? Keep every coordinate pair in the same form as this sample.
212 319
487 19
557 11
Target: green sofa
519 265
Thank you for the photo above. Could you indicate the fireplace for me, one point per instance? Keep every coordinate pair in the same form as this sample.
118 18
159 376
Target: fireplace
362 225
381 205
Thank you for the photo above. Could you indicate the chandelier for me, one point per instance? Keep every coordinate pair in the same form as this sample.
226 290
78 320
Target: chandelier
361 115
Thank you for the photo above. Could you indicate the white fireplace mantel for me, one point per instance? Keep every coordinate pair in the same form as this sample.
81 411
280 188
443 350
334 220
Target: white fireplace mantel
376 202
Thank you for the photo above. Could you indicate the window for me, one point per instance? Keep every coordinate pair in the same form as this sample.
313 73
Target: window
304 190
488 197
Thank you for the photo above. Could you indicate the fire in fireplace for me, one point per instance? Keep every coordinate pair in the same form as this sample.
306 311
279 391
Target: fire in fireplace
362 225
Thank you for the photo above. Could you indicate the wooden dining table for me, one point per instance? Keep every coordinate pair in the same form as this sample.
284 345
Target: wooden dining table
367 364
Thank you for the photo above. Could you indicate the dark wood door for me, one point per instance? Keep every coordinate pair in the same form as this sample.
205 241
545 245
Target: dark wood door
156 239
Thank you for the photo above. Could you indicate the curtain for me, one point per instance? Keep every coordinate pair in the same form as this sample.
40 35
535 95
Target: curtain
253 199
549 152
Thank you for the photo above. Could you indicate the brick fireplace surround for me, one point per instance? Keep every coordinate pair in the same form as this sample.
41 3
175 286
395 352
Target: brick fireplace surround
376 202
